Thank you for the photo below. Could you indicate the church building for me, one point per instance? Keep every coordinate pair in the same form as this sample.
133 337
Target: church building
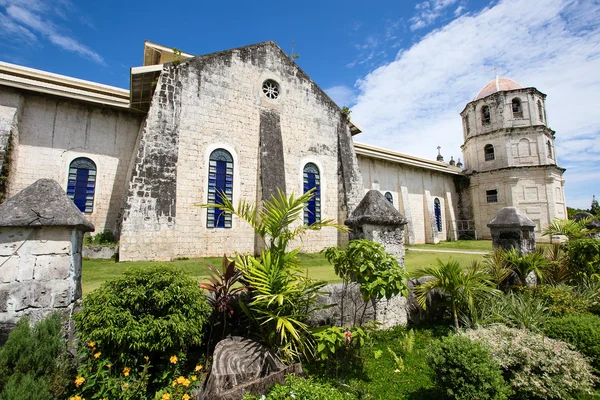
245 123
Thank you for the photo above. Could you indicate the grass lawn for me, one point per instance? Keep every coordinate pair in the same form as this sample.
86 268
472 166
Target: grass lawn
95 272
472 245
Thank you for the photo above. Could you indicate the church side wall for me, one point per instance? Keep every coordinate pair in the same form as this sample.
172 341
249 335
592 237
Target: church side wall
54 132
414 191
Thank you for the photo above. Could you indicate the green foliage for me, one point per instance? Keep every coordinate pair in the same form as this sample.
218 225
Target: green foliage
304 389
369 265
560 300
105 238
523 265
595 207
582 331
465 370
516 310
35 358
583 256
536 367
397 359
407 342
148 311
572 211
333 340
176 56
346 111
496 266
570 228
464 287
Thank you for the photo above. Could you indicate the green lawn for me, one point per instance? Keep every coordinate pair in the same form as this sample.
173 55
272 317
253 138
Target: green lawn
468 245
97 271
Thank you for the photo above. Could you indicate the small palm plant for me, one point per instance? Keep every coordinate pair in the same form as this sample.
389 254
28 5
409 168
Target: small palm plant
523 265
464 287
570 228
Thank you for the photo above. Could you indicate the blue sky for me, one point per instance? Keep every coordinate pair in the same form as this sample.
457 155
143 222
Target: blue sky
405 68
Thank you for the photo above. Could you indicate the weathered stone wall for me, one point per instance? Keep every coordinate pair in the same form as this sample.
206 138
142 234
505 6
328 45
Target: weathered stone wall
52 132
216 101
414 190
40 272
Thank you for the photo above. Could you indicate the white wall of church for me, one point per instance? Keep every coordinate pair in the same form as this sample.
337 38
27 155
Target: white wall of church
53 132
414 191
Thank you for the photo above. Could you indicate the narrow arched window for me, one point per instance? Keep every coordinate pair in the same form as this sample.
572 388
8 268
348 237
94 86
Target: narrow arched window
467 127
437 209
489 152
486 117
517 108
82 183
389 197
540 111
220 187
312 180
549 149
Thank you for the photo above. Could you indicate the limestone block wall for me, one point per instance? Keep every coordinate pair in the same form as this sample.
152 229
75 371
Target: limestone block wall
40 271
414 191
53 132
216 101
537 191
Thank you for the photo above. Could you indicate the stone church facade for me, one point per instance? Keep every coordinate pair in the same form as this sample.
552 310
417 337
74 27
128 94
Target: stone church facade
244 123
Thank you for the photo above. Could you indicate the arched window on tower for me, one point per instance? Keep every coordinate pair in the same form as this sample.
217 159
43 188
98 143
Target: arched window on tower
488 149
486 117
549 149
517 108
467 127
540 111
312 179
82 183
389 197
220 187
437 209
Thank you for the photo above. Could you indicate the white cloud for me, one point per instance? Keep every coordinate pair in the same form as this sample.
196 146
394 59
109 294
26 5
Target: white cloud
552 45
24 18
342 95
429 11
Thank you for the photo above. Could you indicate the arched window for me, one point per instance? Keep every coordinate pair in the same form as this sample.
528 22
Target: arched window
220 187
82 183
489 152
389 197
437 209
549 148
467 127
540 111
524 148
312 179
517 109
486 117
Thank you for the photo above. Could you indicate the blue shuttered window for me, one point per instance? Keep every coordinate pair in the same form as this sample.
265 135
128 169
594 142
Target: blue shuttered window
312 179
438 214
389 197
82 183
220 186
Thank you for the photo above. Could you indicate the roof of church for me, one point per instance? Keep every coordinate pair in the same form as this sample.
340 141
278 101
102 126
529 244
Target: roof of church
43 203
497 85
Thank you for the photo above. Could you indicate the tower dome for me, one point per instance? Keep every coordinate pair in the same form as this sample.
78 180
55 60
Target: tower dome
497 85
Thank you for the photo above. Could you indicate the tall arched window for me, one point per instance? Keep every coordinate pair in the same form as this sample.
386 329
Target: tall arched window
220 187
489 152
466 123
312 179
517 109
437 209
549 148
524 147
82 183
389 197
486 117
540 111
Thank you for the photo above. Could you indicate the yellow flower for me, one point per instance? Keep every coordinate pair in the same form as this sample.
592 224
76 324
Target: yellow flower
186 397
76 398
126 384
166 396
108 365
173 359
194 378
126 371
181 379
91 344
186 383
97 355
79 380
146 358
198 368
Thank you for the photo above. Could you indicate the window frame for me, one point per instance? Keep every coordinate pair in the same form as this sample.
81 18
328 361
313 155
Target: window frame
220 179
540 111
489 156
519 112
313 211
73 178
486 115
389 197
437 212
491 197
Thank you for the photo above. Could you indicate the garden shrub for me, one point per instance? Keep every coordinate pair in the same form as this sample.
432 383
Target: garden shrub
582 331
35 362
583 256
148 311
464 369
105 238
561 300
304 389
536 367
516 310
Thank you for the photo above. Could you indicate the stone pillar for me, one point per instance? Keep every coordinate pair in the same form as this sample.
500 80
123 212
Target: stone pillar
41 235
377 219
511 228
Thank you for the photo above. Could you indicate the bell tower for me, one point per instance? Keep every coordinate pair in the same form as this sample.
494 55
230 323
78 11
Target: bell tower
510 156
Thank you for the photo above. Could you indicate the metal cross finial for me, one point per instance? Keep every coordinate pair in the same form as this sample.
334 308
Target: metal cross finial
439 152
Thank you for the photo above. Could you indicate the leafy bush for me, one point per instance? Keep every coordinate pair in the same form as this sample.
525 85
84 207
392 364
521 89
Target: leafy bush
34 362
304 389
516 310
582 331
535 366
560 300
148 311
583 256
464 369
105 238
